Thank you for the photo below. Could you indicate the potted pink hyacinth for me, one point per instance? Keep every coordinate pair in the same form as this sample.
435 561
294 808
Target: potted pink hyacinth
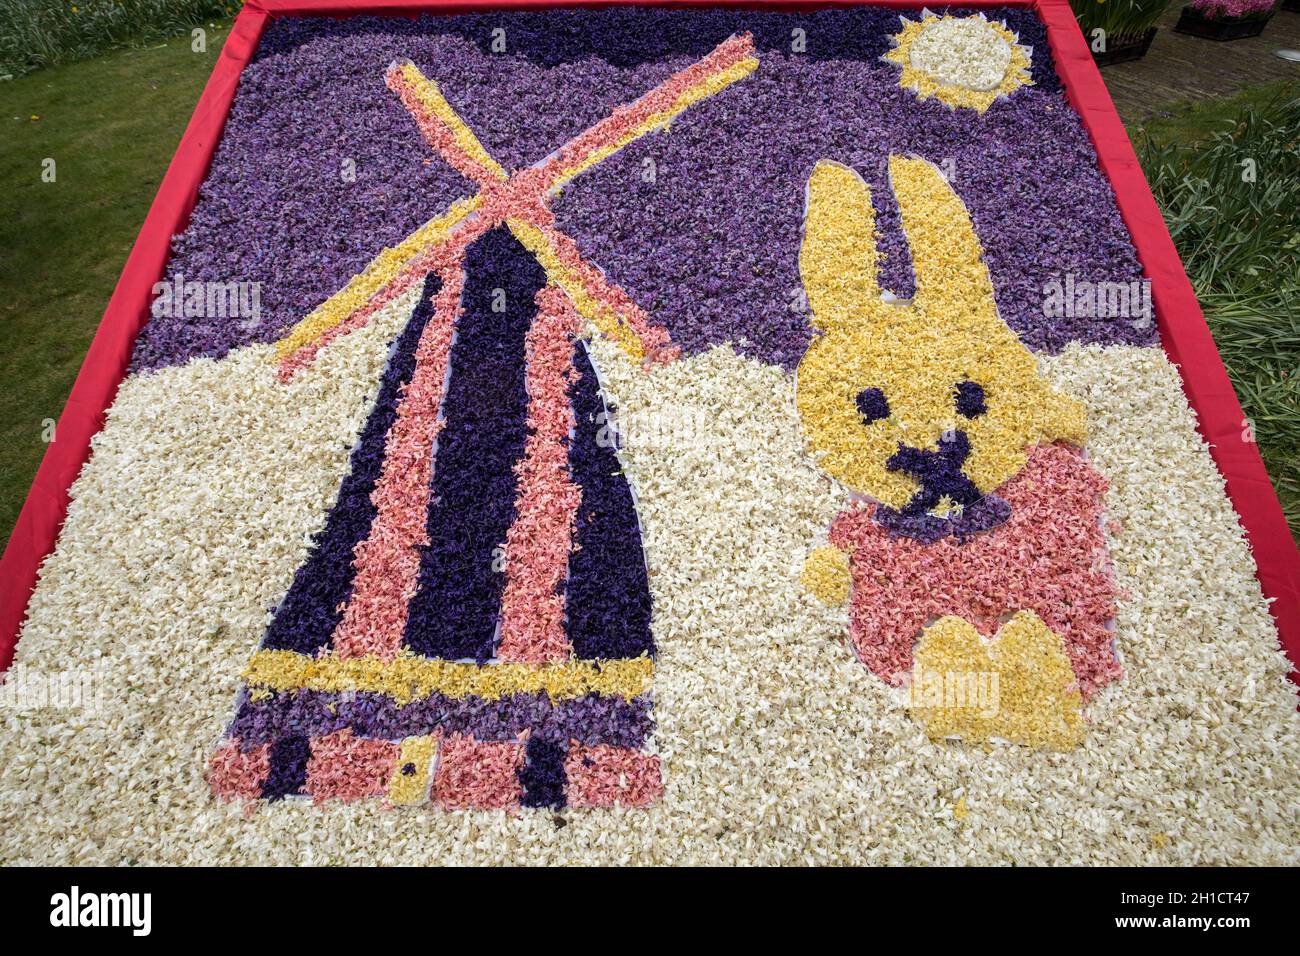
1225 19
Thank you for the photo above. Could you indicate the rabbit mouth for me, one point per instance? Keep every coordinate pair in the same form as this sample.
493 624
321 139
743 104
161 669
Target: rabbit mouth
968 511
939 474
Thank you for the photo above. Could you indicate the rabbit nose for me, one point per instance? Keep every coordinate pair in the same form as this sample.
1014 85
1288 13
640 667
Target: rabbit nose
938 471
953 448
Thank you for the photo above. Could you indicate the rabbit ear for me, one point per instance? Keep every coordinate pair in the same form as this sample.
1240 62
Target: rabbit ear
951 278
837 261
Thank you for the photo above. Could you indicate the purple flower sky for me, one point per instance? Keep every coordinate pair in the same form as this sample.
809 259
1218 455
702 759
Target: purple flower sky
710 247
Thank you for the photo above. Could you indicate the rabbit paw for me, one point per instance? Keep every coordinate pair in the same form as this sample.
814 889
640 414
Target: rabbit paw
826 575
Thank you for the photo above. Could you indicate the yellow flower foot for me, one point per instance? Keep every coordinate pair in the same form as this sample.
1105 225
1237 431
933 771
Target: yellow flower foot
1019 687
826 575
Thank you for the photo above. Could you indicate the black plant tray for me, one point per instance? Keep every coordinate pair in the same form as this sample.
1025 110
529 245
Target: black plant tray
1128 48
1222 28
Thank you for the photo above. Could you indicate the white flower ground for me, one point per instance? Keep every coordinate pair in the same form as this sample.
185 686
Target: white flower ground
778 745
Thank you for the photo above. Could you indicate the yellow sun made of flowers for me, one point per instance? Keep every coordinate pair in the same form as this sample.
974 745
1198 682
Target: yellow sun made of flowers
961 61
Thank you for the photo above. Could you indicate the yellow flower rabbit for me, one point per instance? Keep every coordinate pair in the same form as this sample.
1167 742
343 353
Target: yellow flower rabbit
911 403
927 408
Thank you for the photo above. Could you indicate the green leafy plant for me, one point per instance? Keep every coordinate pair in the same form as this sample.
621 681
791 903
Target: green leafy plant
1232 204
40 33
1120 19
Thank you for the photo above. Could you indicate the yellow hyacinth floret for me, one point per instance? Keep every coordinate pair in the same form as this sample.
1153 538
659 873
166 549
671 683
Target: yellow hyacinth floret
410 677
826 575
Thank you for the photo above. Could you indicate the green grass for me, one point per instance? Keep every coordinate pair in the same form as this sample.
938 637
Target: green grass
111 125
41 33
1192 121
1240 243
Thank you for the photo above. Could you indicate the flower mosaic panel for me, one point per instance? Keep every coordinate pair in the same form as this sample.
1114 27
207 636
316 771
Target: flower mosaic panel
666 436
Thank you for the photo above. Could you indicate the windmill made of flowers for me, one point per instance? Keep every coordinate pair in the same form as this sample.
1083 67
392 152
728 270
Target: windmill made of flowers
414 657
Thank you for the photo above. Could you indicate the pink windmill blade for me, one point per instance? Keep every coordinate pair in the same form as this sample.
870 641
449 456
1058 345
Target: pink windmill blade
522 203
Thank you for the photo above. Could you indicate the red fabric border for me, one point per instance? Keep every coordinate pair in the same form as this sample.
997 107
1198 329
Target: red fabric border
1184 334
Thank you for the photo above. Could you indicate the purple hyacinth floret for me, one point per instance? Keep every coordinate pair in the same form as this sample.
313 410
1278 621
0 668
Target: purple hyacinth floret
939 473
591 719
970 399
872 405
288 774
542 774
306 617
985 514
472 504
709 248
607 597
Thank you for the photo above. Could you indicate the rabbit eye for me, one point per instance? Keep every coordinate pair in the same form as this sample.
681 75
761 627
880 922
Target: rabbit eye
872 405
970 399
